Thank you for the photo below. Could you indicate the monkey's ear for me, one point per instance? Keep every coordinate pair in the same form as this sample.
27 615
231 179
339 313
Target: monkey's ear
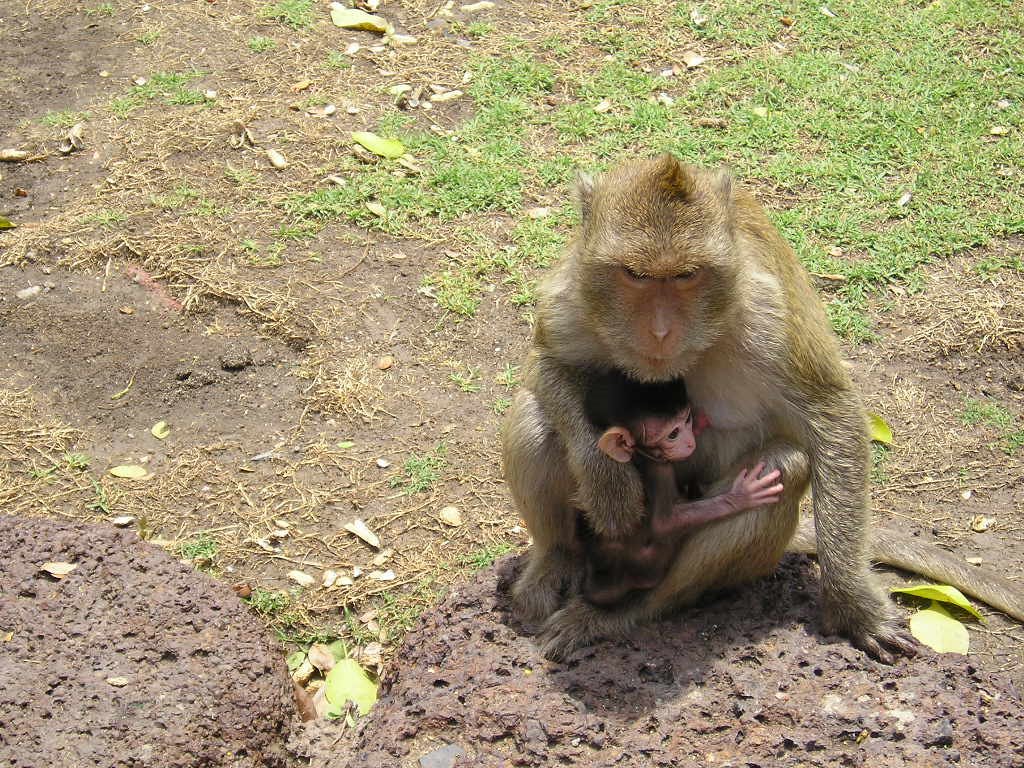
584 188
617 443
674 177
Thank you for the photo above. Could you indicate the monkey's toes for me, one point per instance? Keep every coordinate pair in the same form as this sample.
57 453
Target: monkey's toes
570 628
886 643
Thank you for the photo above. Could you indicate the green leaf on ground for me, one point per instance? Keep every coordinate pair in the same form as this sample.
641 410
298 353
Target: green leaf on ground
348 681
878 430
353 18
389 148
941 592
939 631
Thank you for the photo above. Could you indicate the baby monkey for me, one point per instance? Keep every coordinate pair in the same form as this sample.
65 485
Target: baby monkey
653 425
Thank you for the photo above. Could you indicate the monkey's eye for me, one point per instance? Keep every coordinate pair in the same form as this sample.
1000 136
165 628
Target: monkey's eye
673 434
633 275
687 274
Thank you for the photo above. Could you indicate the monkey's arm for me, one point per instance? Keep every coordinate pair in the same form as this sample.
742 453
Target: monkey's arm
610 493
749 490
853 603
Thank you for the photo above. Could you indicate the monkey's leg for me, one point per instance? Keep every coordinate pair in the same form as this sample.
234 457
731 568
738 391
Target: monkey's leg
720 554
897 549
538 477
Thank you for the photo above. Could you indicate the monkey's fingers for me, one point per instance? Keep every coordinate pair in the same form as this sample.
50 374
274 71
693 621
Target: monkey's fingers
767 495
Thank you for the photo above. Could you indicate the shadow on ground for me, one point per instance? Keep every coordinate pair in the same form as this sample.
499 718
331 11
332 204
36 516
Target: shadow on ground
744 680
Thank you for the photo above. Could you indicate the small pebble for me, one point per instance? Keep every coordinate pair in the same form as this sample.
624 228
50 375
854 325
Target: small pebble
444 757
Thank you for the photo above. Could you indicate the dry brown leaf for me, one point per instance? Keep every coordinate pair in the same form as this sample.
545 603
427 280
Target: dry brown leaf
692 59
320 656
360 529
58 570
450 516
301 578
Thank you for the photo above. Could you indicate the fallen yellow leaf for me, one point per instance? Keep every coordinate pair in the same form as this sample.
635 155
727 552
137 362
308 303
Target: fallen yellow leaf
939 631
129 471
353 18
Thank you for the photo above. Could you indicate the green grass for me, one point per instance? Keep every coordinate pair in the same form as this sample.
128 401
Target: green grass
148 37
294 13
854 112
479 29
105 218
101 501
485 556
65 118
1013 441
103 9
77 461
990 413
398 612
986 412
200 547
175 199
508 377
339 60
421 472
457 291
269 602
991 265
240 176
169 88
879 470
260 44
466 378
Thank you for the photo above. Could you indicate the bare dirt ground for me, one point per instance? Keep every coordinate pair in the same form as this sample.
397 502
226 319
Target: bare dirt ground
316 384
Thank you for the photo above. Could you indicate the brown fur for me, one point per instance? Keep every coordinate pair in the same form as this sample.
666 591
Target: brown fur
755 346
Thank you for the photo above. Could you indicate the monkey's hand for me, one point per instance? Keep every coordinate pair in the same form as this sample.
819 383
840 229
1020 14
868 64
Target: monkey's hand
868 620
752 489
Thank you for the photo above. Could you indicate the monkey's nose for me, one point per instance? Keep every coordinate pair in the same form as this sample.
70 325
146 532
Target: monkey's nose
660 333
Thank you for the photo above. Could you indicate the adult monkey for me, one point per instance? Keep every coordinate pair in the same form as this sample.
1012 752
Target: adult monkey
676 274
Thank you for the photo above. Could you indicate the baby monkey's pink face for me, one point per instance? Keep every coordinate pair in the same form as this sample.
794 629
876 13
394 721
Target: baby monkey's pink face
669 439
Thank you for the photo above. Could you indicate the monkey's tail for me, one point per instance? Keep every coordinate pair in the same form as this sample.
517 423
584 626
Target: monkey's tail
900 551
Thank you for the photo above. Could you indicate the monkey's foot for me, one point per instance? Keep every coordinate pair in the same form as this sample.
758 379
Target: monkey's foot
539 591
888 637
578 625
879 633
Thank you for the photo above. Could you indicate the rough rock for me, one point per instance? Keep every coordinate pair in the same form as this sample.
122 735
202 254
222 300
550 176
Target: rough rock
132 659
744 680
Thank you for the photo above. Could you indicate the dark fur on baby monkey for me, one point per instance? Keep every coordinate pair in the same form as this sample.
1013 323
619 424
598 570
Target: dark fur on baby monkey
653 425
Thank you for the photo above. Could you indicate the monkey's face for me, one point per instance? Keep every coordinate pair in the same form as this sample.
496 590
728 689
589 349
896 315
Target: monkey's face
669 439
656 265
